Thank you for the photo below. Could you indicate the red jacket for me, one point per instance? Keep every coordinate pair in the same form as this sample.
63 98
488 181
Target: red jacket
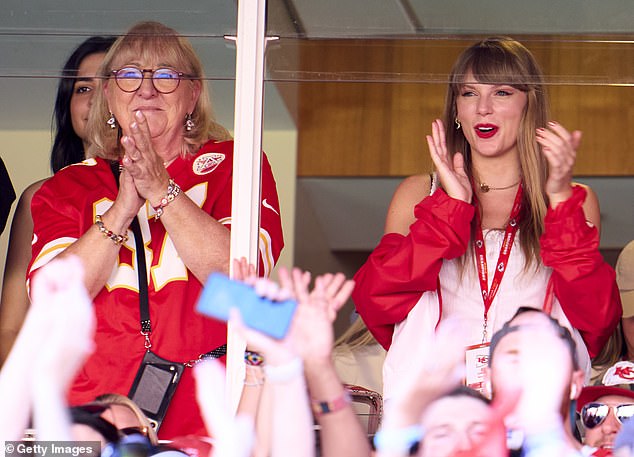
401 267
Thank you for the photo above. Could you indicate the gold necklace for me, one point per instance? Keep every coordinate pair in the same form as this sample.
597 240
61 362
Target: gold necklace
484 188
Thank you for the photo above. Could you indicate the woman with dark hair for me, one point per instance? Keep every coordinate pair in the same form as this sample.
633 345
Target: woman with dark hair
74 95
499 225
72 103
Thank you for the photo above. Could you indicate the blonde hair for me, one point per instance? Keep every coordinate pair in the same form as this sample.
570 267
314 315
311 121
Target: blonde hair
613 351
121 400
149 41
502 60
356 336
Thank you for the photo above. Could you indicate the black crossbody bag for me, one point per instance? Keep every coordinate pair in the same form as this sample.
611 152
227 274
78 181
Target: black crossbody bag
156 379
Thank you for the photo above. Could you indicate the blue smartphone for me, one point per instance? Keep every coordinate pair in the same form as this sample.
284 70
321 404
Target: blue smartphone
221 294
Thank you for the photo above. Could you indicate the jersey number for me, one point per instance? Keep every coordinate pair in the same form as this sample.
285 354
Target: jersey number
169 266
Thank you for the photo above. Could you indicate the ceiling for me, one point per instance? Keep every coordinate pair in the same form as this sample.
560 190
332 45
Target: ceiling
37 36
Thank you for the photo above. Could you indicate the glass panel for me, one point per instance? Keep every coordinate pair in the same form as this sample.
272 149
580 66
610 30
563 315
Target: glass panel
571 60
37 38
363 80
399 18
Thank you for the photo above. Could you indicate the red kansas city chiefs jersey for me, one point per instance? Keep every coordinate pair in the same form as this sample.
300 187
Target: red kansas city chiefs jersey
65 208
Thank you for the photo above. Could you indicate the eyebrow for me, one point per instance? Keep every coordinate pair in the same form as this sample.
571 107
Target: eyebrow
472 84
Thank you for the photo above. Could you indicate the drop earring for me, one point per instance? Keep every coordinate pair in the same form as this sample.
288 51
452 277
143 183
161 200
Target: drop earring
112 122
458 124
189 123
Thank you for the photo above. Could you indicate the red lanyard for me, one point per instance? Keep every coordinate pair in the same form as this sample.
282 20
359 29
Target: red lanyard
505 251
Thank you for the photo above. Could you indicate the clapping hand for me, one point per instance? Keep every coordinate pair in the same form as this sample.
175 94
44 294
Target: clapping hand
559 146
451 170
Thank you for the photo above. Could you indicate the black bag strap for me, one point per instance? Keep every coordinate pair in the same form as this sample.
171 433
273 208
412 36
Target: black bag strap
144 305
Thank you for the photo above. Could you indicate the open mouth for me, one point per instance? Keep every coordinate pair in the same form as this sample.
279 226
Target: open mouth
486 130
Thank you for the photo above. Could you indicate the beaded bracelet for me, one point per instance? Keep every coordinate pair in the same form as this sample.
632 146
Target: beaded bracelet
173 190
116 239
324 407
253 358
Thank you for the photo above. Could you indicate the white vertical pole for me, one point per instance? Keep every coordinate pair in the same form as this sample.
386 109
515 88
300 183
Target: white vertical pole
245 209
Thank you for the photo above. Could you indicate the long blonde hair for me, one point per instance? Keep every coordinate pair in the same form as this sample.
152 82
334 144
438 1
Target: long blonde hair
502 60
356 336
149 40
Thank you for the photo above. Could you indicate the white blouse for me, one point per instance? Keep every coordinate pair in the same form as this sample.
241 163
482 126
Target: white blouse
461 297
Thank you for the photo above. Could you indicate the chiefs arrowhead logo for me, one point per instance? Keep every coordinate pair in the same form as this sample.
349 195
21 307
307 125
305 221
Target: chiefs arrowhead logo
206 163
620 373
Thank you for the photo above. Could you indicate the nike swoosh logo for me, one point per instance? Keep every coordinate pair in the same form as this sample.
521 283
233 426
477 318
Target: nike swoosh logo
266 205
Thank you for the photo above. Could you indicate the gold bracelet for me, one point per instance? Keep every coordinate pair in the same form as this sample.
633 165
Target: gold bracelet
116 239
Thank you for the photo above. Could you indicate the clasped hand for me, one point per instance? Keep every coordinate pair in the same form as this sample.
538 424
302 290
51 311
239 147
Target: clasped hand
144 175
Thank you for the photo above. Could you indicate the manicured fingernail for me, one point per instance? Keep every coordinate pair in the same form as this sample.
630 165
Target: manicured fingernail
553 123
138 114
134 126
540 131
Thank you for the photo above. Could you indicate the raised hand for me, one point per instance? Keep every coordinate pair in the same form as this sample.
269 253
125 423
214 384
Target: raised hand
559 147
451 171
311 334
59 296
336 290
274 351
234 435
244 271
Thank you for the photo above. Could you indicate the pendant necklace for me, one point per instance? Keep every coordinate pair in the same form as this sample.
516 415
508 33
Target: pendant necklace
484 188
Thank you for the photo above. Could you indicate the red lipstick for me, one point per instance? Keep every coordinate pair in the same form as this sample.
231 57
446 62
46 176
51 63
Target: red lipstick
486 130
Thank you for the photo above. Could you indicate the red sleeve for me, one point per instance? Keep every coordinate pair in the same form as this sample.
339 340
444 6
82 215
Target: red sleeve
583 283
401 267
271 238
63 208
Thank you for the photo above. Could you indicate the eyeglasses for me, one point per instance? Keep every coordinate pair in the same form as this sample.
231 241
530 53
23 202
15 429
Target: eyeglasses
593 414
164 80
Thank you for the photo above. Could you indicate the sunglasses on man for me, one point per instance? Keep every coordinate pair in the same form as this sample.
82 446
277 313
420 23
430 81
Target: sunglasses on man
593 414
